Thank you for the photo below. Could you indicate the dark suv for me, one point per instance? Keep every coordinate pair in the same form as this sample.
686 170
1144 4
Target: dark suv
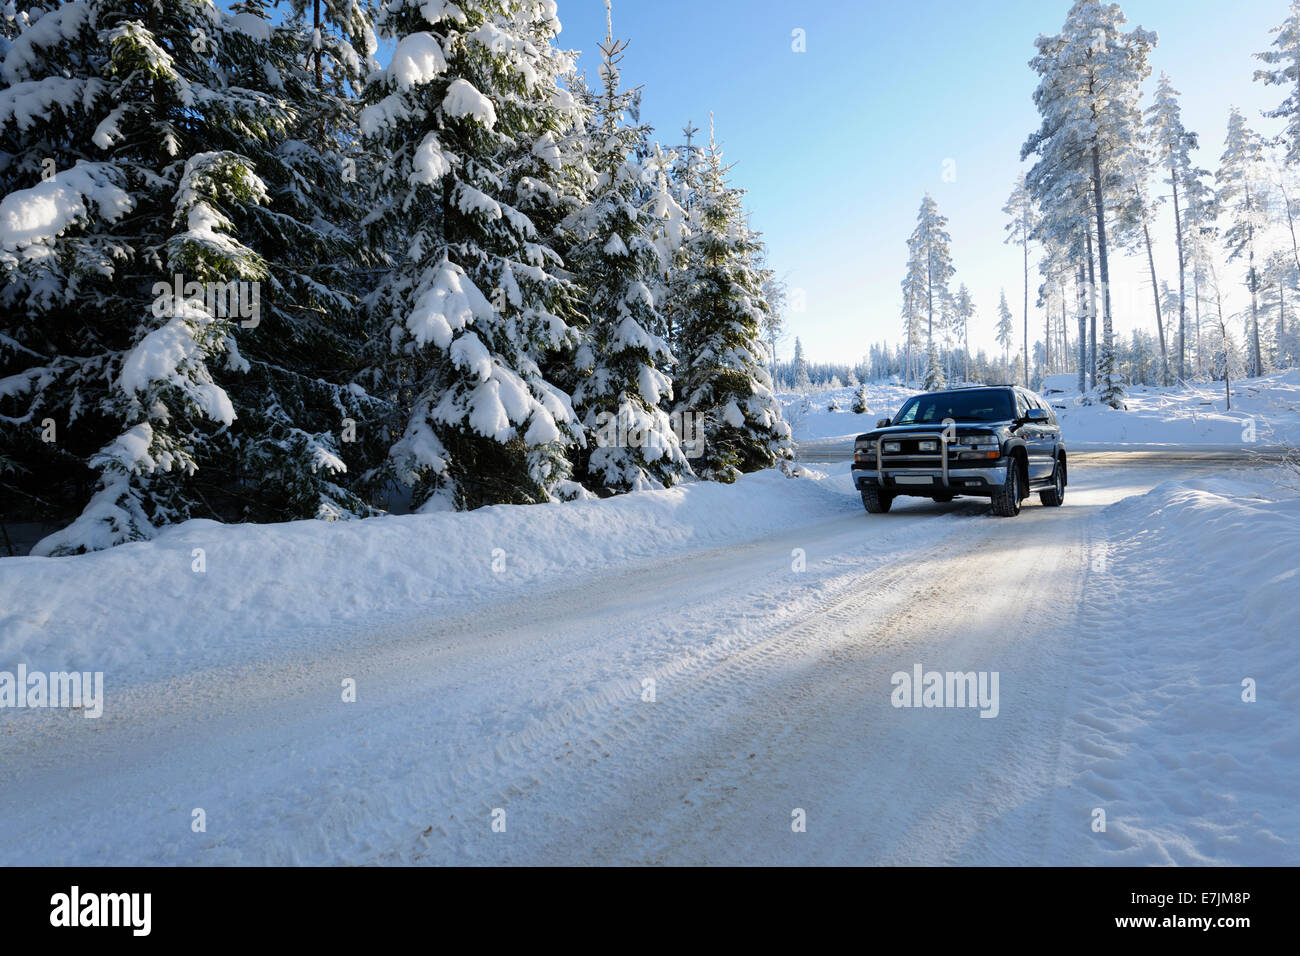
1000 442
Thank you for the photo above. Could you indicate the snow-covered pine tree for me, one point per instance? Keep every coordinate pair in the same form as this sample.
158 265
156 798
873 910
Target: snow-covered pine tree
1278 281
1285 60
1005 331
1171 145
913 313
132 148
1091 75
723 379
929 269
1022 225
1135 212
631 442
776 295
963 316
1242 197
478 295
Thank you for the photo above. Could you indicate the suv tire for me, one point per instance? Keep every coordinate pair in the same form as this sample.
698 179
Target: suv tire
876 502
1006 502
1053 497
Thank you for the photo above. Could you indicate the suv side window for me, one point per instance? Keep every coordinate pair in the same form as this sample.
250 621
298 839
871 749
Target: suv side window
1046 406
1042 403
1022 404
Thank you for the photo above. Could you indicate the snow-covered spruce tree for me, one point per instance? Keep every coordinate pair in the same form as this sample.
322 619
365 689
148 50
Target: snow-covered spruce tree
307 428
860 406
1243 199
723 381
934 377
802 382
631 443
131 150
1004 331
685 165
668 231
469 101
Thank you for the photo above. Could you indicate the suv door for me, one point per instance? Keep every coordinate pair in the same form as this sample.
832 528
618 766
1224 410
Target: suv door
1029 433
1051 435
1041 439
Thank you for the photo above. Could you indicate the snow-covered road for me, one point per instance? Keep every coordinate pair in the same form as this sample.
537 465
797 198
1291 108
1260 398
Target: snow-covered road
771 665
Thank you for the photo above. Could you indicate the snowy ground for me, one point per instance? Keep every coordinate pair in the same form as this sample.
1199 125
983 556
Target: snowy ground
1265 414
771 617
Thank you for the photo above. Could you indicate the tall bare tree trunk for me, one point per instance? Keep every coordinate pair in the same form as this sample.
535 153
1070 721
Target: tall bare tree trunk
1290 222
1065 332
1024 235
316 22
1196 300
929 300
1281 316
1155 294
1103 260
1083 328
1047 334
1257 359
1182 285
1092 309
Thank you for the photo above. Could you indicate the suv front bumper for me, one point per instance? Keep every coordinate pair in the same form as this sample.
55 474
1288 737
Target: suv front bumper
924 481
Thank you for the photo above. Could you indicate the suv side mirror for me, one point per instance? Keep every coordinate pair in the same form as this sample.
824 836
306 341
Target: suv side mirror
884 423
1036 415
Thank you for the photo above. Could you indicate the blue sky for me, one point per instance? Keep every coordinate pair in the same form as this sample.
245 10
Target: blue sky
838 144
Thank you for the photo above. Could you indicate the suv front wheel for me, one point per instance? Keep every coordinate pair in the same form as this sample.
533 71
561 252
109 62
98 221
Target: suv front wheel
1006 503
876 502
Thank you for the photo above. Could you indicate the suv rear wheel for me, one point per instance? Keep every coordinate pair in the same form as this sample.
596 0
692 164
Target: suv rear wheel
1054 496
1006 503
876 502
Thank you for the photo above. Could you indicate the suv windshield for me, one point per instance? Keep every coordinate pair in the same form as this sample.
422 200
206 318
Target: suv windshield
973 405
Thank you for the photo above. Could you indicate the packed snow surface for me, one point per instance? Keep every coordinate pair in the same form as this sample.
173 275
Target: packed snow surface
673 677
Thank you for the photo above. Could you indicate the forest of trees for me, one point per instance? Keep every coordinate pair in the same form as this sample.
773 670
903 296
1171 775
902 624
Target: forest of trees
1103 163
248 273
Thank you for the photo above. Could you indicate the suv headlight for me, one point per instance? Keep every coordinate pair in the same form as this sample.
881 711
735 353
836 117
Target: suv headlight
892 447
927 446
977 443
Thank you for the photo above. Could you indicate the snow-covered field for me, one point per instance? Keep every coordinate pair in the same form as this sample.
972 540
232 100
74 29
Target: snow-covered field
671 677
1265 413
